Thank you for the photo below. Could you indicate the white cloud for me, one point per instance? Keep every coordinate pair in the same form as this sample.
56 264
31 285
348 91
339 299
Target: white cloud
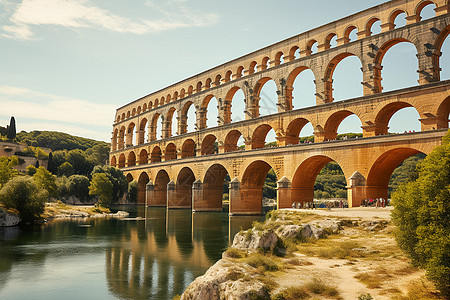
83 14
65 112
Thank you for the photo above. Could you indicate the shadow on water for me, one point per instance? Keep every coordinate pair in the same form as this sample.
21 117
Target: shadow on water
152 258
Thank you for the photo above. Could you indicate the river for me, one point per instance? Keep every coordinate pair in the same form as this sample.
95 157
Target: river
99 258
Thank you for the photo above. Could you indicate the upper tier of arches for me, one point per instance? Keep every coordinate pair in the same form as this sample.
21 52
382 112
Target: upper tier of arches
334 34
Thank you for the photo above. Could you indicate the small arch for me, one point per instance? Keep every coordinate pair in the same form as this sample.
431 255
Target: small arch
122 161
293 130
169 98
133 112
259 136
425 10
128 114
208 83
198 87
144 107
113 161
175 96
252 67
333 122
228 75
265 63
143 157
182 93
156 154
294 52
348 34
138 111
118 119
217 79
311 47
171 152
279 58
190 90
239 72
330 41
384 116
396 18
123 116
188 149
162 101
131 159
231 141
371 27
150 105
209 145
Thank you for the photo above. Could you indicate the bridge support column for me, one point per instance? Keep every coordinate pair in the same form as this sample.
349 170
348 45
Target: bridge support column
244 201
284 193
206 197
376 192
302 194
178 196
150 195
171 195
427 71
356 191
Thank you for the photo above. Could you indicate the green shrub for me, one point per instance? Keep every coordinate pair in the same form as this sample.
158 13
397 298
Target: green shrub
78 186
422 215
24 195
132 194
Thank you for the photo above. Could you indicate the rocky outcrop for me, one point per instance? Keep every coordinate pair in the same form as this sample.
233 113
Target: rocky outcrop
8 219
300 231
225 280
252 240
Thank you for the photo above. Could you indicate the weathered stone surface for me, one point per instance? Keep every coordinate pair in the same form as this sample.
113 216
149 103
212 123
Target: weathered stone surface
297 231
253 240
8 219
332 226
288 231
222 281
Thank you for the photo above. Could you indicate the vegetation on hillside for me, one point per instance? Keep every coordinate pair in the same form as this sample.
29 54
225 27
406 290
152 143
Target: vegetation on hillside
422 215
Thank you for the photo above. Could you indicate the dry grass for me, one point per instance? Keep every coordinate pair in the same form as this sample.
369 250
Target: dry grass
292 293
262 262
331 248
419 290
319 287
234 253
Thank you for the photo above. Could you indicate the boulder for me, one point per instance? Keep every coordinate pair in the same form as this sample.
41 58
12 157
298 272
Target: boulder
332 226
300 231
8 219
244 290
252 240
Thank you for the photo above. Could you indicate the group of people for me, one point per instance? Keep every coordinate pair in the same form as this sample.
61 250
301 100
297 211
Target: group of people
326 204
377 202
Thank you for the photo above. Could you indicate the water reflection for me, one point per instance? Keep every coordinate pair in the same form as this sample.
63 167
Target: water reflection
155 258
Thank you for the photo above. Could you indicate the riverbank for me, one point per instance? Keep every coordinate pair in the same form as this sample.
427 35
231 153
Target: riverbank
58 209
320 254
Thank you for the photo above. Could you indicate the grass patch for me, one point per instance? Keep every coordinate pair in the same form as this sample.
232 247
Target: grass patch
333 249
292 293
319 287
372 280
419 290
100 209
234 253
262 262
234 274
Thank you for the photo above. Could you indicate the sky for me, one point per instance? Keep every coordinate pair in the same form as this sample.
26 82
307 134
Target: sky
67 65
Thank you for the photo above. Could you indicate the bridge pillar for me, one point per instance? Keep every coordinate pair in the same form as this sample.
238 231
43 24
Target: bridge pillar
374 130
252 108
356 191
428 72
244 201
149 193
302 194
178 196
320 91
376 192
206 197
284 193
171 195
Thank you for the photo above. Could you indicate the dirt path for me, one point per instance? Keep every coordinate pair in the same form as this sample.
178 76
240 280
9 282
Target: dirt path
356 212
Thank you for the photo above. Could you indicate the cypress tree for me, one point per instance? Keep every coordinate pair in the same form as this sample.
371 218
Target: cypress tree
12 129
37 163
51 163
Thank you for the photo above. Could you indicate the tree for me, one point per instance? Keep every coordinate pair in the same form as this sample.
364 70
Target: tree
51 164
12 129
25 196
7 170
65 169
79 162
31 170
101 187
46 180
37 163
132 193
117 178
78 186
422 215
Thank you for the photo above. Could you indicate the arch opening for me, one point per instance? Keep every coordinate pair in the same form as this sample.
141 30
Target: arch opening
234 106
160 194
188 149
403 121
443 62
171 152
209 145
130 135
263 136
143 132
265 98
232 140
346 78
142 183
122 161
131 159
300 130
333 126
184 183
443 114
113 161
215 189
425 10
300 89
156 155
143 157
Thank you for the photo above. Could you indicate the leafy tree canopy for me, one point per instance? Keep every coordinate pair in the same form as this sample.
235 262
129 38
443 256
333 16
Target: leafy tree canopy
115 175
7 170
45 180
101 187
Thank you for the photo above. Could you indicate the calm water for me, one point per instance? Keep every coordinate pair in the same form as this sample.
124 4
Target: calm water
155 258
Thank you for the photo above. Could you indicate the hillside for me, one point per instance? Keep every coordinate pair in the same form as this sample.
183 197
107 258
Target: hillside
57 140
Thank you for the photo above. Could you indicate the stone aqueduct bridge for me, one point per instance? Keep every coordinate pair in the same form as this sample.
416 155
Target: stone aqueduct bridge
184 171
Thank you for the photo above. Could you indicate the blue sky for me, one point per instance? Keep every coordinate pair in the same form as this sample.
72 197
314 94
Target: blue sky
66 65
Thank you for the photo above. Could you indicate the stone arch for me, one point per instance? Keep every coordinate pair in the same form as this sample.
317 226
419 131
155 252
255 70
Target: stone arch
213 188
138 110
327 42
185 179
369 24
182 93
143 131
254 106
443 114
204 111
264 63
118 119
259 136
156 154
142 184
162 101
228 103
394 15
231 141
143 157
347 33
169 119
302 188
123 117
130 134
329 74
171 152
252 67
113 161
420 6
217 79
277 61
156 103
184 117
333 122
133 112
378 88
122 161
290 86
144 107
150 105
168 98
228 75
309 46
251 188
160 195
129 177
292 52
437 49
381 170
154 126
121 138
188 148
239 71
131 161
208 145
208 83
293 130
385 114
198 88
175 96
190 90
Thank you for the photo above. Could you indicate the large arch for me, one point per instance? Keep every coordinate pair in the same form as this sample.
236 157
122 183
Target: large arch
113 161
186 122
329 71
188 149
231 141
209 113
437 53
251 189
121 139
171 152
160 194
185 179
234 105
209 145
122 161
213 185
443 114
131 161
297 87
293 131
333 122
259 136
154 128
385 114
378 61
143 157
264 99
171 122
142 184
130 135
156 154
302 188
143 133
381 171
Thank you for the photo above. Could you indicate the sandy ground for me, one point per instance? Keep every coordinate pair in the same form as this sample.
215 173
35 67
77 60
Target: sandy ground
356 212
